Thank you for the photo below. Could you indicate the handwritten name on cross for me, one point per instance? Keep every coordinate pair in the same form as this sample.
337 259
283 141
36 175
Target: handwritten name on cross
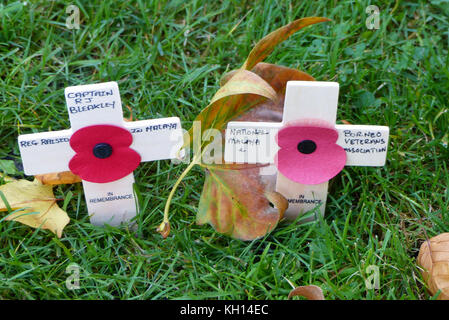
308 105
107 149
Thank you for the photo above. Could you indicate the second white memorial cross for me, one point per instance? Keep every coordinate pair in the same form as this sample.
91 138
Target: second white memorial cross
307 147
102 149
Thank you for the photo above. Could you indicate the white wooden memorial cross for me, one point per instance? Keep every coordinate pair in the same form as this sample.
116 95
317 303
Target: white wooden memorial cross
95 110
305 101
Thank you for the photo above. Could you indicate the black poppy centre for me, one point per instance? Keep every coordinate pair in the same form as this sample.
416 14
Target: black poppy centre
307 146
102 150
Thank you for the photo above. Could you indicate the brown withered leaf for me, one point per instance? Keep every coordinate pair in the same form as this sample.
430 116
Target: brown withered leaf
236 203
310 292
434 259
65 177
164 229
219 204
264 47
277 76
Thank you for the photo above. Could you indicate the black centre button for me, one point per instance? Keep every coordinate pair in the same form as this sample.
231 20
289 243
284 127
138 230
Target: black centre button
102 150
306 146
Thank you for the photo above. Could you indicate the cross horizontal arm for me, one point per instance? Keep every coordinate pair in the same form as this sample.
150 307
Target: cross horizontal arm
156 139
364 145
306 102
46 152
49 152
254 142
251 142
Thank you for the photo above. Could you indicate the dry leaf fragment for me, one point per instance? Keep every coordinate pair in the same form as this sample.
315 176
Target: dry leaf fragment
434 259
264 47
38 203
310 292
65 177
164 229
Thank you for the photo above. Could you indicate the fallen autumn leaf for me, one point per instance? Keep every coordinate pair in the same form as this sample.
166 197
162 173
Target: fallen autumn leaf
434 259
34 205
310 292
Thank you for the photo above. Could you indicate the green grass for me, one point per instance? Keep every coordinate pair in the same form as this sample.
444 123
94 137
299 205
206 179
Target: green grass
167 57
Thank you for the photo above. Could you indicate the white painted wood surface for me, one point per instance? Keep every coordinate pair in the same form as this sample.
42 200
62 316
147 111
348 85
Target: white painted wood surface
47 152
305 101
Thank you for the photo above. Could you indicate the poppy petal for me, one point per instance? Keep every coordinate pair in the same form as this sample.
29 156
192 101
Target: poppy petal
120 163
85 139
290 136
319 166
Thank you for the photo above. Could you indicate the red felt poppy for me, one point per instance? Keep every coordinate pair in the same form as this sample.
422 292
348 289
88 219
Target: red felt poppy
103 153
309 154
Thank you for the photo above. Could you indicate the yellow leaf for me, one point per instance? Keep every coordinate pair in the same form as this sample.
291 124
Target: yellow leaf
38 203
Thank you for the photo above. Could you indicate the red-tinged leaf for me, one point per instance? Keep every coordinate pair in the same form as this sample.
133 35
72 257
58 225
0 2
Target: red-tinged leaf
231 207
277 77
265 46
